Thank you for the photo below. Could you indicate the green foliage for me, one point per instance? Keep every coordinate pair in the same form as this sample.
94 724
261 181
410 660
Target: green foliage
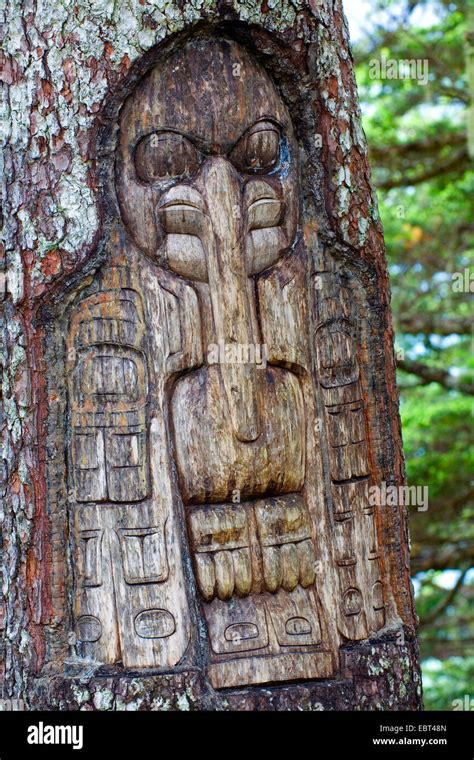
434 456
417 142
448 682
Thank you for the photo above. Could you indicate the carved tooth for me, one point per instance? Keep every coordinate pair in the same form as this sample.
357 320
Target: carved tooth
206 575
289 566
272 570
242 571
306 562
224 574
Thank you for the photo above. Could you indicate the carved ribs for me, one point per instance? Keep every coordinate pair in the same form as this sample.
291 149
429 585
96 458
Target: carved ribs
361 602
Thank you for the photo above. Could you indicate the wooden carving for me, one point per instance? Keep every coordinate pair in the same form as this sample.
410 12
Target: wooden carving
216 400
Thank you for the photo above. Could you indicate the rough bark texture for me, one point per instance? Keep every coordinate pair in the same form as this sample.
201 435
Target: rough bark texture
65 74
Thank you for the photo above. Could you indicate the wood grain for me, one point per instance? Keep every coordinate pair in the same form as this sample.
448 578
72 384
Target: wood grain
196 367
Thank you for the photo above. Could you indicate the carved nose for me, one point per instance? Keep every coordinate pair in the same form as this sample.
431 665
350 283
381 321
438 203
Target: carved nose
231 293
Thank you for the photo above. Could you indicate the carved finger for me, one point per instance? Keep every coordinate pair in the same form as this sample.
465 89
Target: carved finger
289 566
307 563
272 571
224 574
242 571
206 575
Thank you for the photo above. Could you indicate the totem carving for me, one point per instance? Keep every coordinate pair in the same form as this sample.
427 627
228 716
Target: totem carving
216 410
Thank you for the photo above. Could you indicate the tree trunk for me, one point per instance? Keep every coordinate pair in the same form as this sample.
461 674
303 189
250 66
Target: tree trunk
181 531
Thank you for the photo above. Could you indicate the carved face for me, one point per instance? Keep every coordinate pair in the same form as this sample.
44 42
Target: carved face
207 185
207 149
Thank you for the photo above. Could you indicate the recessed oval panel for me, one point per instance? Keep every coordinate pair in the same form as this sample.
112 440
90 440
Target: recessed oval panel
352 601
377 596
298 626
89 628
155 624
241 632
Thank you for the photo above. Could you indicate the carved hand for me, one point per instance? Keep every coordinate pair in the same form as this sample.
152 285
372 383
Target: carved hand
222 551
287 549
282 547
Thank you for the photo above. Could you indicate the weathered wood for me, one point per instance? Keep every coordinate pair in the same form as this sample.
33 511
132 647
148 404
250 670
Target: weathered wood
217 170
215 391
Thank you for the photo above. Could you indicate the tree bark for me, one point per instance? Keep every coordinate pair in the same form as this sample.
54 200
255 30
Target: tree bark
66 71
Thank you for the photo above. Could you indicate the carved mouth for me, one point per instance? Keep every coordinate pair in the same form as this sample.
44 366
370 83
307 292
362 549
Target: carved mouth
183 198
264 212
263 201
181 212
178 205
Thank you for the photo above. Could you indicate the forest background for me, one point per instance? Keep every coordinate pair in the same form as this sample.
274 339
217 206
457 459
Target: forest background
414 67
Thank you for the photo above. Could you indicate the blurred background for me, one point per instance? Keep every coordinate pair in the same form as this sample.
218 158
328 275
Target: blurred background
417 129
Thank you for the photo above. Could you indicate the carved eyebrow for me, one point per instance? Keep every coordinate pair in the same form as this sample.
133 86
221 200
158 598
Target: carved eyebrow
261 120
200 143
204 145
195 139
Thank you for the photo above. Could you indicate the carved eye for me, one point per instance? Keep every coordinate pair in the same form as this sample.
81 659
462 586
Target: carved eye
165 155
258 150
